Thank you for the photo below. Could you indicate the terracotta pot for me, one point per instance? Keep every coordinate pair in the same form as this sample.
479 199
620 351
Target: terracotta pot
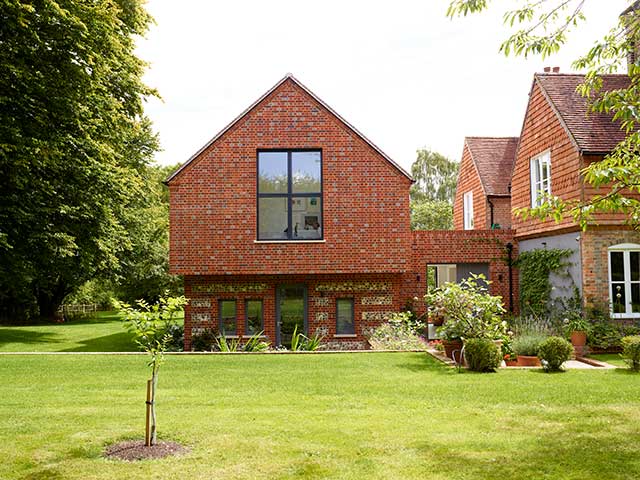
578 338
528 361
511 363
437 320
451 347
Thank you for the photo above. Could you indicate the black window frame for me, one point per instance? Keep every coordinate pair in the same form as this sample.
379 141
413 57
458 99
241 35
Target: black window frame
289 195
221 323
246 316
351 300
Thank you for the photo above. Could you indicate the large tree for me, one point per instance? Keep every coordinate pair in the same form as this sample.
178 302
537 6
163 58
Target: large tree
541 28
433 192
73 144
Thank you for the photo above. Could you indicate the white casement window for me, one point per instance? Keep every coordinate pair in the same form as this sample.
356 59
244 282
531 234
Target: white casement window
540 178
467 210
624 280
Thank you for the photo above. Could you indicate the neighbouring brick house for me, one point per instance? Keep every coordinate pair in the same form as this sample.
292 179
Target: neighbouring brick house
290 217
483 198
559 138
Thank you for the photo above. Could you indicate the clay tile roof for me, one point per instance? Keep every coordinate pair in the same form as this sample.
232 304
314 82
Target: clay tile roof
493 158
592 132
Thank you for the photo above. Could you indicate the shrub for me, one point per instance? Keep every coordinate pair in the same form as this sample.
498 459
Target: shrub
204 341
396 334
527 344
176 340
468 309
256 344
631 351
553 352
482 355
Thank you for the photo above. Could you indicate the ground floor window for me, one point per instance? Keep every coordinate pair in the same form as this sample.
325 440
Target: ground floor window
624 280
253 317
227 317
345 324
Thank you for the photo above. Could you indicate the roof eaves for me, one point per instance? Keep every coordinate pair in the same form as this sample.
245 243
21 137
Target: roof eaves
557 112
288 76
352 128
475 165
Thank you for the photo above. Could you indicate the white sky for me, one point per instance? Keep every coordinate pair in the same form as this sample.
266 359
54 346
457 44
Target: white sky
399 71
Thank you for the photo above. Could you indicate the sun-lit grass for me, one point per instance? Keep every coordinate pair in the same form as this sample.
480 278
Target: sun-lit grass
102 333
354 416
612 358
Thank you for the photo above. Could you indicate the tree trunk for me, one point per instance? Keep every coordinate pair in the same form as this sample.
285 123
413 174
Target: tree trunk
154 384
50 299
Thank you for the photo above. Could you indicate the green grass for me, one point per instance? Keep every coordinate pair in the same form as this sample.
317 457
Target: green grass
104 333
612 358
351 416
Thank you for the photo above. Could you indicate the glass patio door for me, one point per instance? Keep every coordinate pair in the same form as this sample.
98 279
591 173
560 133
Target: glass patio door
291 313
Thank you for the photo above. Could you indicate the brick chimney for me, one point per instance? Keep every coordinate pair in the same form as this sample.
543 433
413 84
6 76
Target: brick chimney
553 69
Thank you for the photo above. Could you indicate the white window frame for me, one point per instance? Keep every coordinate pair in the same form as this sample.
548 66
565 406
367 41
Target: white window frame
625 249
467 210
539 183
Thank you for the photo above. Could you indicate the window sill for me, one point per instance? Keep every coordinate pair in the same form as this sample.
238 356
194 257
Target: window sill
290 241
345 335
261 337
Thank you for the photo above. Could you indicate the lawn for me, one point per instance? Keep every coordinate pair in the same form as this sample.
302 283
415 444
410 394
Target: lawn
104 333
612 358
351 416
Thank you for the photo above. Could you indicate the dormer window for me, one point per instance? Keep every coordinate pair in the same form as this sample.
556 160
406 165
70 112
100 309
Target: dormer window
540 178
290 195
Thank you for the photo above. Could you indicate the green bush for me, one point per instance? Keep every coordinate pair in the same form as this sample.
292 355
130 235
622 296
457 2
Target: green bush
553 352
176 340
482 355
204 341
631 351
527 344
395 335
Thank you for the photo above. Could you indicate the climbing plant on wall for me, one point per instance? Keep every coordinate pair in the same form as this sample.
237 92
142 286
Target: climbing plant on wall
535 268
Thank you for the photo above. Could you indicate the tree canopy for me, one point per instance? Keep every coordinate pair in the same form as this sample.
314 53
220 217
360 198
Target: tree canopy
433 192
74 145
542 28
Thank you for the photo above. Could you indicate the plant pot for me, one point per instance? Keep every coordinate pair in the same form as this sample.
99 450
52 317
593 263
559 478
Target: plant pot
528 361
511 363
437 320
578 338
451 347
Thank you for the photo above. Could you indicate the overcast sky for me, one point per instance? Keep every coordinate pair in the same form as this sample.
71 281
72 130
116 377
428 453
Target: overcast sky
399 71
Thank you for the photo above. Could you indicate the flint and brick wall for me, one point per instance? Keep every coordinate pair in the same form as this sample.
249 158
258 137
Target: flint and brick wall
375 297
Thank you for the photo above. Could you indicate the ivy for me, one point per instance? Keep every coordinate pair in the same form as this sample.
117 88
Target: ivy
535 268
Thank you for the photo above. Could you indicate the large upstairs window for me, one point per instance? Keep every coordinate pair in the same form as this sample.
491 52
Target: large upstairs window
290 195
540 178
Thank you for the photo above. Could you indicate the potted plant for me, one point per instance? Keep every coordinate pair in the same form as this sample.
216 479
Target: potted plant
511 360
526 348
469 312
577 328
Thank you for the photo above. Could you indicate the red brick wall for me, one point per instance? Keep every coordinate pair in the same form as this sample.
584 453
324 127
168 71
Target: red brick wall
501 212
468 180
366 287
542 131
595 243
365 201
471 246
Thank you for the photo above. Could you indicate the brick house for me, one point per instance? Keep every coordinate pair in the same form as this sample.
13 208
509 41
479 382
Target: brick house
483 198
291 218
558 139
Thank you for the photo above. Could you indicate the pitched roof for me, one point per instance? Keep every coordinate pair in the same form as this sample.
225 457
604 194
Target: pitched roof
494 158
291 78
590 132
